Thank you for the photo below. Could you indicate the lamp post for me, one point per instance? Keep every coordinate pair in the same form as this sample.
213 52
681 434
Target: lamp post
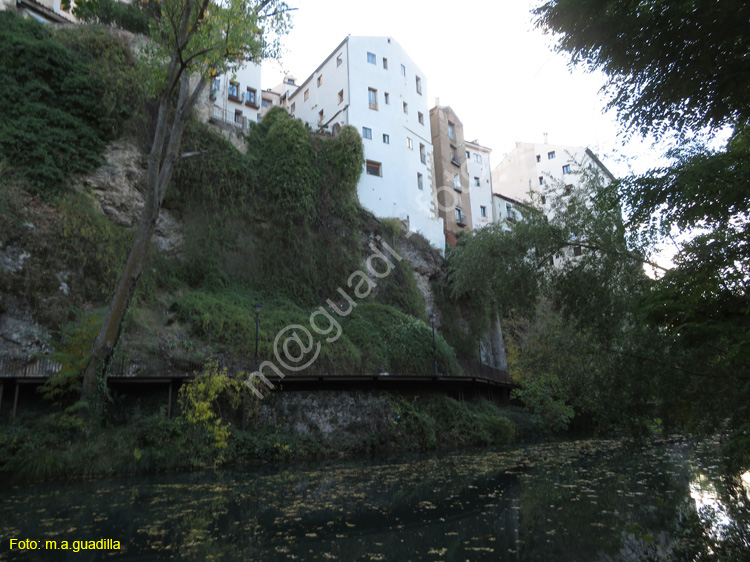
257 326
434 348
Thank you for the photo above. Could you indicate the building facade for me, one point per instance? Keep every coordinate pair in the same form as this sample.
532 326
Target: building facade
534 173
373 85
45 11
454 202
479 171
236 96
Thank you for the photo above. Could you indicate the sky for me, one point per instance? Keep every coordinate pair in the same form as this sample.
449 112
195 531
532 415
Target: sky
485 59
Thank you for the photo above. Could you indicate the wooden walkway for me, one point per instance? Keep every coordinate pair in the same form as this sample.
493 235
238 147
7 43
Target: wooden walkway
478 380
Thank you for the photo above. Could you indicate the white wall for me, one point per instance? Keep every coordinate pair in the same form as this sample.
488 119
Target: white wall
481 196
247 76
395 193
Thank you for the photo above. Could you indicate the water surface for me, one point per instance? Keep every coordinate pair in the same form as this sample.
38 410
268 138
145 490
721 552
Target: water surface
577 500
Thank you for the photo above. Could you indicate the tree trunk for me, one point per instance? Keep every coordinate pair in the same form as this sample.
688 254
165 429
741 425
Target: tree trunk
162 159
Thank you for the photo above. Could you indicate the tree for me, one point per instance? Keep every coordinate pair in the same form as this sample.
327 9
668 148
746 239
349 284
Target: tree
684 67
191 40
670 65
576 341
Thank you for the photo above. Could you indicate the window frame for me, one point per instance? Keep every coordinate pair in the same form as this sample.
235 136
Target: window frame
376 166
372 98
366 133
373 57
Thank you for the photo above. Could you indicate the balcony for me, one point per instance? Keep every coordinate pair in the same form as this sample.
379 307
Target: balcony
461 220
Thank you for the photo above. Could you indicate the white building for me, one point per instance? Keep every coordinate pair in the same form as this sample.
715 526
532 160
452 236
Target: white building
533 172
236 96
373 85
480 183
45 11
536 168
507 211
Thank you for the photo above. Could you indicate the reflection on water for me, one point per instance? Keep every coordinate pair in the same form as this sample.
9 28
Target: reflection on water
583 500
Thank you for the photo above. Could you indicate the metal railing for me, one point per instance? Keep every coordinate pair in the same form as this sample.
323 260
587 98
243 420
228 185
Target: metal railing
228 116
124 365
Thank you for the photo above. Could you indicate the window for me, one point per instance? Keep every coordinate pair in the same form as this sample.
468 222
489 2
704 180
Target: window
339 60
371 58
290 81
510 213
456 182
387 98
566 169
251 98
477 158
420 117
320 116
372 97
366 133
373 168
544 200
341 96
454 160
320 81
307 94
409 143
420 181
265 102
422 154
385 63
403 70
238 118
234 91
419 85
483 211
476 181
541 180
386 139
451 131
568 189
538 158
577 251
294 106
406 107
460 216
550 155
468 155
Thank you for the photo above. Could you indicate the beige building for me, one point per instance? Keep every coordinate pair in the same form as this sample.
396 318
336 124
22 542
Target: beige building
451 172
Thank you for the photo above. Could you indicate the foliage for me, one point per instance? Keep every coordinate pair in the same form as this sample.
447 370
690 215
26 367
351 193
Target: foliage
680 65
71 352
307 203
54 122
132 17
399 289
91 244
207 427
390 340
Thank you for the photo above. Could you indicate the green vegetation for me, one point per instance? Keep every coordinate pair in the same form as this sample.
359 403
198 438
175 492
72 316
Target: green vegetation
54 120
688 90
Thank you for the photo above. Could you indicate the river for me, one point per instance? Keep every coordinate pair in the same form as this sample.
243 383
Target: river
572 500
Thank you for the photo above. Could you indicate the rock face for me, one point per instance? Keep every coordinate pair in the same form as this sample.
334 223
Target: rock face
427 264
20 334
119 187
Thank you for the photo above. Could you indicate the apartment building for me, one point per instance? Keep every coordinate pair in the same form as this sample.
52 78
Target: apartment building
453 195
236 96
45 11
463 173
533 172
479 172
373 85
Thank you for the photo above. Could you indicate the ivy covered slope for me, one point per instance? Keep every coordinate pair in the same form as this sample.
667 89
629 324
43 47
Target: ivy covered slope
280 225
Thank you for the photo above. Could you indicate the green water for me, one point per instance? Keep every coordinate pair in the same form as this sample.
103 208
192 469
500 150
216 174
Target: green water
582 500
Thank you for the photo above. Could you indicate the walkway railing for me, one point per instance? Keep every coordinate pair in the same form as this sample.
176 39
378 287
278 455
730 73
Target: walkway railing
126 366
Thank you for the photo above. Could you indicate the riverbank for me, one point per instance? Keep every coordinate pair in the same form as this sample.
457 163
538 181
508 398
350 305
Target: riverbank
286 427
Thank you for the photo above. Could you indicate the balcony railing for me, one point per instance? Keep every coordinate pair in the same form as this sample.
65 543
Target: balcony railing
229 116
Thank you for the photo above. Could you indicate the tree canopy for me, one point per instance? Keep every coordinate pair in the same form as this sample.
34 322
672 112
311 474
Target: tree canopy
670 65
